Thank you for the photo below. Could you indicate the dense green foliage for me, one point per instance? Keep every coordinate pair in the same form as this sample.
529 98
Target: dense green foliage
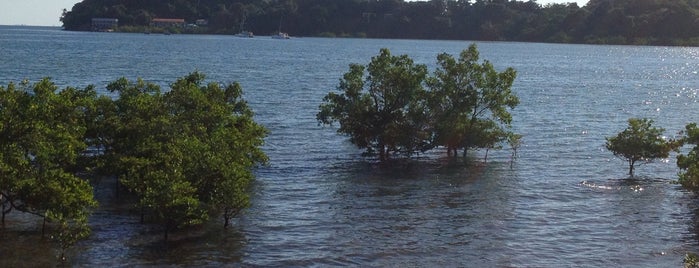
186 154
600 21
388 111
390 116
689 164
42 137
470 102
640 143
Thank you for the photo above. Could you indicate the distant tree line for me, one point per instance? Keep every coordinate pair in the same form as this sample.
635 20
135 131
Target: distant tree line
600 21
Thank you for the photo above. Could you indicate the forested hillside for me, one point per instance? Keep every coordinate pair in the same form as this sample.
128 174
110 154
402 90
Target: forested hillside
673 22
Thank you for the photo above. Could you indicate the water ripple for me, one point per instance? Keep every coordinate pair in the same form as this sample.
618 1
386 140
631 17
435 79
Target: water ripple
566 201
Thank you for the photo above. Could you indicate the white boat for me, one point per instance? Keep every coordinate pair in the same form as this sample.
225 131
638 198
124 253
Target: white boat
243 32
246 34
281 35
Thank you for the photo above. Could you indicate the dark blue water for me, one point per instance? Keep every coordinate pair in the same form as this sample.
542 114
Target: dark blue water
566 201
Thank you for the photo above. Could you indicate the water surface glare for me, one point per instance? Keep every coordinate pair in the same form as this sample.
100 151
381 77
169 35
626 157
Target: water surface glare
566 201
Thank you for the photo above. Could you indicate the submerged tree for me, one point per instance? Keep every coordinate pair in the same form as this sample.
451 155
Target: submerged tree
185 153
389 112
640 143
223 141
43 132
689 164
470 102
515 141
383 113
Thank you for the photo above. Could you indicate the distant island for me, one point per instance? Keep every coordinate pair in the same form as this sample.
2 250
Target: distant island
634 22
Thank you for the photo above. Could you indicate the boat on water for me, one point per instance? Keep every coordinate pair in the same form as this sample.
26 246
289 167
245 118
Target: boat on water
281 35
246 34
243 32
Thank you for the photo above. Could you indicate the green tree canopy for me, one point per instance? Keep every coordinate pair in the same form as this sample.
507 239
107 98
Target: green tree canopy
42 135
470 102
185 153
384 112
389 111
640 143
689 163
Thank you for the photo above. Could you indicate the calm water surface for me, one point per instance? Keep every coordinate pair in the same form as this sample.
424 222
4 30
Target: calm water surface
565 202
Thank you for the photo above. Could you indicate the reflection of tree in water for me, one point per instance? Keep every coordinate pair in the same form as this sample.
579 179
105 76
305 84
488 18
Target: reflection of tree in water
16 245
692 248
119 238
693 206
405 213
208 245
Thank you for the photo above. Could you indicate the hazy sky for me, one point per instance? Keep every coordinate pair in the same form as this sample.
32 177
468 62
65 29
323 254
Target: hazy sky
47 12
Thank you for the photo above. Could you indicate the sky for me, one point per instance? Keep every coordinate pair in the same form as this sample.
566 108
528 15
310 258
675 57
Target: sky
33 12
47 12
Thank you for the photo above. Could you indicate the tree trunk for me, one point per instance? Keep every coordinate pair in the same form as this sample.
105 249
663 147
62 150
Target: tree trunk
453 151
116 188
167 230
631 167
142 214
382 152
3 210
43 227
6 209
225 219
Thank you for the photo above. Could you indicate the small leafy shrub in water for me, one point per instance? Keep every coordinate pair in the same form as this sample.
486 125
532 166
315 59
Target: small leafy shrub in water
689 163
640 143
